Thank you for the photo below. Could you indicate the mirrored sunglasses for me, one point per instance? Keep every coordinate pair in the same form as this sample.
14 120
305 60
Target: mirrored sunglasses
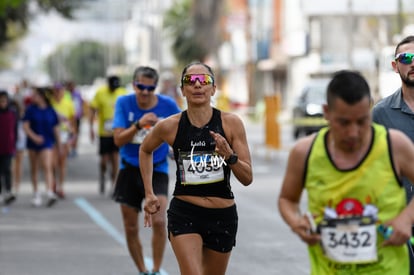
405 58
142 87
204 79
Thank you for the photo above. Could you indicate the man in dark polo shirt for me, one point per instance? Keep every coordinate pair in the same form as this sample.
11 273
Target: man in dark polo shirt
397 110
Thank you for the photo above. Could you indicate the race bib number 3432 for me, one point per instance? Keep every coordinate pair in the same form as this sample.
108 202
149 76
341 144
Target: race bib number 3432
351 240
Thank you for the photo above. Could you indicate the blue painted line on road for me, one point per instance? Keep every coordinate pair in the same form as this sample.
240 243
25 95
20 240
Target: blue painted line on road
102 222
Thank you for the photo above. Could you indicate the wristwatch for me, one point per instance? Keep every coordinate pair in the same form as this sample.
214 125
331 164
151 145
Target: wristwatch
136 124
232 159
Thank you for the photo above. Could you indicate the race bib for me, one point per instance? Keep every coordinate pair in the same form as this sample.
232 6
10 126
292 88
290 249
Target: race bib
201 167
64 136
140 135
108 125
349 240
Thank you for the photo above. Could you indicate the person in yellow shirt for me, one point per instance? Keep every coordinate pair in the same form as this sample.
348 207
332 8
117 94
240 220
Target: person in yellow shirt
103 105
63 104
352 171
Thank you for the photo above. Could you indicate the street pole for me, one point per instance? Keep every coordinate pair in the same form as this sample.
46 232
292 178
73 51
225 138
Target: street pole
249 61
350 34
400 16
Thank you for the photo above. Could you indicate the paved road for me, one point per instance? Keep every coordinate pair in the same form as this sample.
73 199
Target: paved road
83 234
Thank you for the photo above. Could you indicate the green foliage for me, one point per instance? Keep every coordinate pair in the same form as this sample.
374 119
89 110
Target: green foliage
7 5
83 62
86 61
14 15
64 7
194 28
7 53
179 25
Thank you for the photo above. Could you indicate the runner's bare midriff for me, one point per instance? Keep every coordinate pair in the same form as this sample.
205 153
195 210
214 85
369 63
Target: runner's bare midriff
207 202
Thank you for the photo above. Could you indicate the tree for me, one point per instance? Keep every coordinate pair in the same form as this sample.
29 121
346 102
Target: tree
197 36
15 15
86 61
83 62
206 17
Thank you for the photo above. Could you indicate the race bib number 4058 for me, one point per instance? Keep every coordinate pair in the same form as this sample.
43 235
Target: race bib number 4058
350 240
200 167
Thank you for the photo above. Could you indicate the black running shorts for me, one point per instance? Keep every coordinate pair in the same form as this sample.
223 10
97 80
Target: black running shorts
107 145
216 226
129 188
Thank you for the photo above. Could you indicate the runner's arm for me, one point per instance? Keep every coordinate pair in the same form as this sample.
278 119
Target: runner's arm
236 143
403 156
92 114
291 192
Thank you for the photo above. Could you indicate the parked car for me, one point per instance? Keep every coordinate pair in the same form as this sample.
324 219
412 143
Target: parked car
307 112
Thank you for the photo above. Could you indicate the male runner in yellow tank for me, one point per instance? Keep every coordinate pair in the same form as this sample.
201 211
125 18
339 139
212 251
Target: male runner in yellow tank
352 173
103 104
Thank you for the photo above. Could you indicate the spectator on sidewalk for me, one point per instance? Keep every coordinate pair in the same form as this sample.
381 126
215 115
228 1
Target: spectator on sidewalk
397 110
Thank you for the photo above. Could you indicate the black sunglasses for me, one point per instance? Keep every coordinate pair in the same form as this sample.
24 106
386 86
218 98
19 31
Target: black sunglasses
142 87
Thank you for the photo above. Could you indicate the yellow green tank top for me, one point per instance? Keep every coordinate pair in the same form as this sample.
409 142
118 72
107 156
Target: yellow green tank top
370 189
104 102
65 110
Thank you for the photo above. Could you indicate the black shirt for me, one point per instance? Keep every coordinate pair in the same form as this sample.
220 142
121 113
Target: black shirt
200 170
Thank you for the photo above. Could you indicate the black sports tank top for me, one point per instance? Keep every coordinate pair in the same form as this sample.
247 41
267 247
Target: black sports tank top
200 170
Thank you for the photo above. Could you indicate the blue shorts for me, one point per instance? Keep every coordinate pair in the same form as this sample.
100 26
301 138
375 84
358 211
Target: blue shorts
216 226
